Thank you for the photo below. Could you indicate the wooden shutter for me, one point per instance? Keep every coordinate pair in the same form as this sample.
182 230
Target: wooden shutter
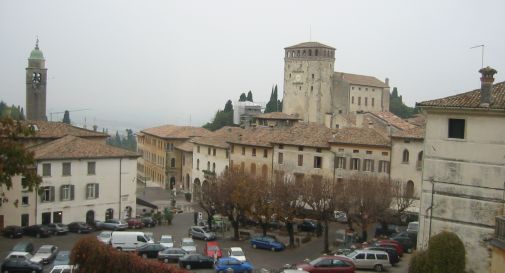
72 192
61 192
97 190
344 162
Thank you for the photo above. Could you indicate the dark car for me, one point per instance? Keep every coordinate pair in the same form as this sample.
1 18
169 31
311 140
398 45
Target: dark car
393 255
171 254
20 262
79 227
150 250
57 228
328 264
267 242
24 247
13 231
307 225
407 244
149 222
37 231
190 261
135 223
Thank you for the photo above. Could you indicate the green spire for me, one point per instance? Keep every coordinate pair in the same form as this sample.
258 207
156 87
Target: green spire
36 54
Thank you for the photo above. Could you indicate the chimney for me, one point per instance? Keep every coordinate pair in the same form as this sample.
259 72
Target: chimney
387 81
486 82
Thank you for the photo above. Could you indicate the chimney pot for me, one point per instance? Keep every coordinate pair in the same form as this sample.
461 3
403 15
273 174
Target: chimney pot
486 81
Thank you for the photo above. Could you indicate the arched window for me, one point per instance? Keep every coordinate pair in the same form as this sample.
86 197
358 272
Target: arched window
419 162
405 158
109 214
208 165
253 169
420 156
409 190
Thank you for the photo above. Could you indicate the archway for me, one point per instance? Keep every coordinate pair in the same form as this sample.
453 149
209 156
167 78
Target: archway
109 214
90 217
409 190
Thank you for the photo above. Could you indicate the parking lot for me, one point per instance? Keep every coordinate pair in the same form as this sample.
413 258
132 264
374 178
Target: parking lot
179 229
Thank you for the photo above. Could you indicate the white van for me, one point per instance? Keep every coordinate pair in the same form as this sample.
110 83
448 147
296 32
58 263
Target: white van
129 240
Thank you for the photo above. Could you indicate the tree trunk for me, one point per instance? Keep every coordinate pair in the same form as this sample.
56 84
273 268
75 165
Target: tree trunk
264 228
326 240
291 232
235 225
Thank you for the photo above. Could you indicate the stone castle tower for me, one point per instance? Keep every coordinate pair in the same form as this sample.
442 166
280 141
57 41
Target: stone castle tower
308 78
36 83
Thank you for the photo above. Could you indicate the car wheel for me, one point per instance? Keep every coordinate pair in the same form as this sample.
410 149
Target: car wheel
144 256
37 235
165 261
378 268
188 267
254 246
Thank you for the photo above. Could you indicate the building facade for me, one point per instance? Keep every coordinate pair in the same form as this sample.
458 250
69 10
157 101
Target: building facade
36 85
464 168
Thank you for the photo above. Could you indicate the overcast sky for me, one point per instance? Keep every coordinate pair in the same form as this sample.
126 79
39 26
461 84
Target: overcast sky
137 64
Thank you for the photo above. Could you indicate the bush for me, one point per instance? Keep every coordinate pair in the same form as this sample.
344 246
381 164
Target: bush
93 256
446 253
419 263
168 215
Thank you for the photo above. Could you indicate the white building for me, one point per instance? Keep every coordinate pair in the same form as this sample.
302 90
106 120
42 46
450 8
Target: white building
84 181
245 111
464 168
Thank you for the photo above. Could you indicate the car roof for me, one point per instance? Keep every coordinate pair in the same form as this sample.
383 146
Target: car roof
213 243
228 259
235 248
20 253
23 243
370 251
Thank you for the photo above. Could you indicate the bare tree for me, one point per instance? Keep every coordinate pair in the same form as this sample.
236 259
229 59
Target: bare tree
208 199
263 208
403 197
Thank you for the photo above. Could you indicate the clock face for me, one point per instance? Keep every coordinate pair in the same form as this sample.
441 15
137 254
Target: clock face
298 77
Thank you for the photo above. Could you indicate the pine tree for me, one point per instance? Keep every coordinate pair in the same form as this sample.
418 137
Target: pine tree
228 107
249 96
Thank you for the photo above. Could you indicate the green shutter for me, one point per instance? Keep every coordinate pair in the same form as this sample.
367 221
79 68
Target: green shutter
72 191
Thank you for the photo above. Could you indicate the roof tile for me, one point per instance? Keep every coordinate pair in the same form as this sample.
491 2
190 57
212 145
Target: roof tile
360 79
175 132
360 136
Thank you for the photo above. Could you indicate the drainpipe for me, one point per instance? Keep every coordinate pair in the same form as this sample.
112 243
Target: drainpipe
431 208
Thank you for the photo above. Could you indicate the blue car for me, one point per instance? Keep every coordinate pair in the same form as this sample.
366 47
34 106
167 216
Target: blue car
223 264
267 243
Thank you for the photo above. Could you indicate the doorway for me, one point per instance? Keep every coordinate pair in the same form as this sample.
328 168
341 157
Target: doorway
57 217
109 214
46 218
90 217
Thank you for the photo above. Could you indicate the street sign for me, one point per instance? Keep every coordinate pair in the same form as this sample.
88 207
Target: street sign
200 216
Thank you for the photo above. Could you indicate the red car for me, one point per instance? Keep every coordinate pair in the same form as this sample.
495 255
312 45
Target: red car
212 248
135 223
391 243
329 264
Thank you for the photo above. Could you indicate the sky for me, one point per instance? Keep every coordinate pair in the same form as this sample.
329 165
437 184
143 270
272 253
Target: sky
139 64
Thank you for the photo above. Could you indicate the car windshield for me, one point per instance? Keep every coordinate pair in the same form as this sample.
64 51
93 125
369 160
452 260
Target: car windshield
44 250
187 243
166 240
316 261
237 253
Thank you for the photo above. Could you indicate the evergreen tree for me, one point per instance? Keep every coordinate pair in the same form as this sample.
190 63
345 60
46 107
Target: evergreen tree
249 96
66 117
243 97
273 103
228 107
397 107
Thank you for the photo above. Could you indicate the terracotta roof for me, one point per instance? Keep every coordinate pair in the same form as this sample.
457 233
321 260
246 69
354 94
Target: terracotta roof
360 79
469 99
49 129
186 146
418 120
277 115
304 134
220 137
360 136
257 136
71 147
309 44
174 131
416 133
393 119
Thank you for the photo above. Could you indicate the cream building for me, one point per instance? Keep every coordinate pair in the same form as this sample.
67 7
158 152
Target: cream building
316 93
276 119
464 168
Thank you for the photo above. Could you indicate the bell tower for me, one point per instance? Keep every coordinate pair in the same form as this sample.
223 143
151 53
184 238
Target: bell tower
36 83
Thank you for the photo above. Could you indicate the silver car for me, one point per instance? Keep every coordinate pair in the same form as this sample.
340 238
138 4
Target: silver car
370 259
188 245
45 254
104 237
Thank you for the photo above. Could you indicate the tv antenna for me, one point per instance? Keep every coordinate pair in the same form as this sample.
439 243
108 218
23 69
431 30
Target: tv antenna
482 53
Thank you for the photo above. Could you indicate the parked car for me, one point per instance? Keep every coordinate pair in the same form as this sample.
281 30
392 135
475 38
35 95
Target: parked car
37 231
63 269
381 231
79 227
224 264
104 237
167 241
13 232
237 253
171 254
129 240
328 264
20 262
24 247
62 258
188 245
150 250
114 224
45 254
370 259
57 228
95 224
275 224
307 225
201 233
413 227
340 216
392 243
411 235
393 255
213 250
267 242
135 223
405 242
194 260
149 222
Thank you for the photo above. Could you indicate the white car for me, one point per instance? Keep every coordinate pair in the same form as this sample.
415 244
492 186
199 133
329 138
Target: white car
167 241
237 253
188 245
370 259
104 237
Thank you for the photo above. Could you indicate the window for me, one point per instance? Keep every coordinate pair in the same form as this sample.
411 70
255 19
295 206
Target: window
340 150
370 256
311 88
355 164
340 162
91 168
208 150
25 220
373 101
280 159
208 166
183 160
359 100
318 150
227 154
46 169
312 74
383 166
265 153
214 152
385 153
47 194
281 146
243 150
405 158
66 192
24 201
232 147
254 152
419 163
198 149
172 163
300 148
92 191
409 190
368 165
198 164
368 152
366 101
355 151
457 128
300 160
318 162
214 167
